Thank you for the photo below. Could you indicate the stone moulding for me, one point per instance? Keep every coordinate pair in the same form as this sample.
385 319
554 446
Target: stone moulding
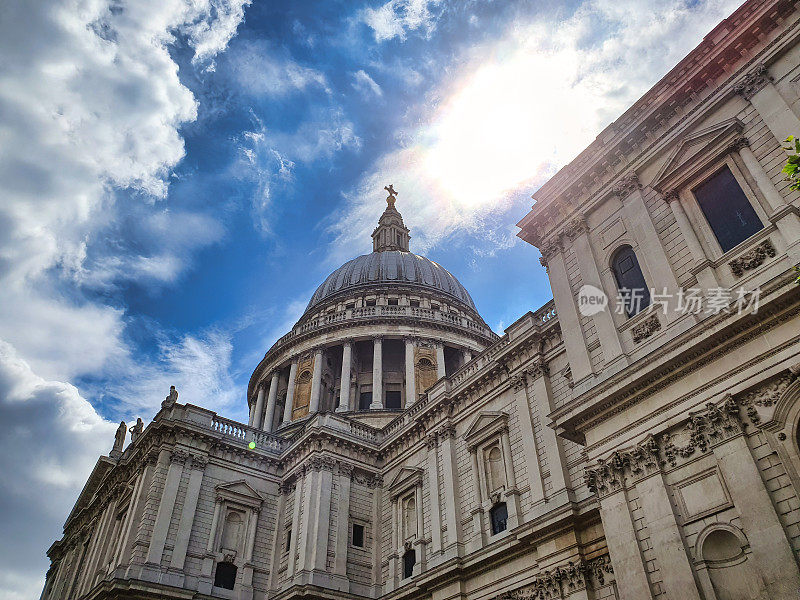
752 258
645 329
564 580
711 425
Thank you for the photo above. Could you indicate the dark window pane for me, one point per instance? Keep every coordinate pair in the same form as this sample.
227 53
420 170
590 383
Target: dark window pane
358 535
499 517
409 560
393 399
288 539
364 400
630 281
225 577
727 209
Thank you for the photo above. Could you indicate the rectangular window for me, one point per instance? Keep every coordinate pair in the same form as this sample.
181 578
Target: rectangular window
727 209
415 303
364 400
288 540
392 302
393 399
371 302
358 535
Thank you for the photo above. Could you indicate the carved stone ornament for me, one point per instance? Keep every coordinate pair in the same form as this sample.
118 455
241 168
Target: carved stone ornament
738 144
538 369
564 580
752 258
713 424
576 227
765 395
753 82
199 462
549 249
626 186
179 456
517 381
170 400
645 329
672 196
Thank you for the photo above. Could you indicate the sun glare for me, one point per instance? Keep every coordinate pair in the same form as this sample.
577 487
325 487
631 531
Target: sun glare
507 123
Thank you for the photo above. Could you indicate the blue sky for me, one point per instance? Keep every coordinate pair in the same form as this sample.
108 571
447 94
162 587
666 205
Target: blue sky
178 176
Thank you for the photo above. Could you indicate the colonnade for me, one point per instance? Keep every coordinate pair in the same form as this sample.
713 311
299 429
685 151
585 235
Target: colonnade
262 417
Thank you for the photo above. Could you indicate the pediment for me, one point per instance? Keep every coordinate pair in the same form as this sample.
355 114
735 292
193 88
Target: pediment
239 491
485 425
406 477
698 143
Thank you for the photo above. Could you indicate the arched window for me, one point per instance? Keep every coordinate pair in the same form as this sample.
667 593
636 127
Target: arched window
409 560
225 577
727 209
495 469
630 281
499 517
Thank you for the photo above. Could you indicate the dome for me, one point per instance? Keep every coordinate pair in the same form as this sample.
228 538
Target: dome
391 267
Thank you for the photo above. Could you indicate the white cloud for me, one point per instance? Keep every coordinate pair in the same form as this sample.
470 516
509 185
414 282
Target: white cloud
263 70
397 17
519 109
363 83
51 439
91 104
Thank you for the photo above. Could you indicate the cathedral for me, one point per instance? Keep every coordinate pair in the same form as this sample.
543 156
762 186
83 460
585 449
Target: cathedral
634 438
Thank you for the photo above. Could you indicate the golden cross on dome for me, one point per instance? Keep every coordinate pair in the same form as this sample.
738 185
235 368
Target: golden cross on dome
392 194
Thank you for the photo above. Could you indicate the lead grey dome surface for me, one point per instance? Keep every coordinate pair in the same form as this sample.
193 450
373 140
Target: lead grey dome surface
391 266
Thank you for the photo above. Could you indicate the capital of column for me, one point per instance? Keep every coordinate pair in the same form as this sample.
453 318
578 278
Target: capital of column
378 337
753 82
671 196
626 186
549 248
576 227
737 144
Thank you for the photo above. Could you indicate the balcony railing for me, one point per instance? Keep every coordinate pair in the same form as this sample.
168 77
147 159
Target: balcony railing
399 312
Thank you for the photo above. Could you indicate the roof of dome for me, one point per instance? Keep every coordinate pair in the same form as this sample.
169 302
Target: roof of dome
391 266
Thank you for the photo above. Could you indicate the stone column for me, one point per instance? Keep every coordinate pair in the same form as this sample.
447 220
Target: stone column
539 382
287 407
478 525
267 425
623 547
377 373
522 402
100 538
757 87
246 584
204 584
165 508
665 538
376 484
291 567
607 332
571 330
432 443
511 494
772 553
455 534
782 214
187 513
252 416
440 368
343 476
316 381
422 556
411 384
650 249
259 407
129 529
344 386
702 266
394 557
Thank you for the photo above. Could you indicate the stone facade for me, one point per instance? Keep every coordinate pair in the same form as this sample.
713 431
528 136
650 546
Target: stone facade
397 448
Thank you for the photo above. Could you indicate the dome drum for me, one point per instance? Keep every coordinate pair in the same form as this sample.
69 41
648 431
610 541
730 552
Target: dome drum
377 333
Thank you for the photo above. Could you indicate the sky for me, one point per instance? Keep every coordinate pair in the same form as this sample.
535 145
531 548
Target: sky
177 177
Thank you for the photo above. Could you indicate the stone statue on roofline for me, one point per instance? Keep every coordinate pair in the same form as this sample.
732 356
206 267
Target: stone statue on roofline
119 440
170 400
137 429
